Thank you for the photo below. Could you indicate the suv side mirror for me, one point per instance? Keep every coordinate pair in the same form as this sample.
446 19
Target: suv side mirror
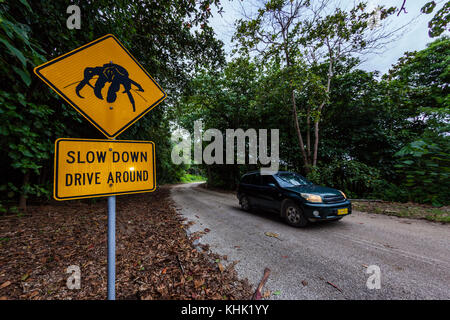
272 185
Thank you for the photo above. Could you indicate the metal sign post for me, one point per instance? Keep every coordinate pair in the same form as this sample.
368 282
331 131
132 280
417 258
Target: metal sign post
112 248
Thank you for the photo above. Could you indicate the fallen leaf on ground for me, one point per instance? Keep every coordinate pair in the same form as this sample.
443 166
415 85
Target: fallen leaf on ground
158 260
266 294
198 283
304 283
221 267
277 293
333 285
272 234
257 295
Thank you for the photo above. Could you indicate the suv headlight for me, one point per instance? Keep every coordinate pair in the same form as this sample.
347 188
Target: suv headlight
343 194
311 197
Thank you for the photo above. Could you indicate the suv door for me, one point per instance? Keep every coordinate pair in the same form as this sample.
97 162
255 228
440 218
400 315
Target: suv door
249 186
253 190
270 195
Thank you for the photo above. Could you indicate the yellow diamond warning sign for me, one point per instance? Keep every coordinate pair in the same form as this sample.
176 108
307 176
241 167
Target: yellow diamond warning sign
86 168
105 83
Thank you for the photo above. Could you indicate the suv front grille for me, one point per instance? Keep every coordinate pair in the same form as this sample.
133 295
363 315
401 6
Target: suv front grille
333 199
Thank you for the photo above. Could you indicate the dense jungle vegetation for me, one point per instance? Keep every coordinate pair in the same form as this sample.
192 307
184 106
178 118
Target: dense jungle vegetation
371 135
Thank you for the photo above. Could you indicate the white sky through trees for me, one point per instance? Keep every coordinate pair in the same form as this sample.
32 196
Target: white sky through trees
414 37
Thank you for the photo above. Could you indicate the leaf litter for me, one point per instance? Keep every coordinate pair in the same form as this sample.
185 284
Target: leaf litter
155 257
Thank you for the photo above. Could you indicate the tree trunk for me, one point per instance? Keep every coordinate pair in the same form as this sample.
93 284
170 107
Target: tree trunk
316 141
316 122
294 106
308 132
23 196
299 134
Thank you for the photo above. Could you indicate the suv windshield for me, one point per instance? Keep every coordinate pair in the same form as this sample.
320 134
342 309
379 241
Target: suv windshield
290 179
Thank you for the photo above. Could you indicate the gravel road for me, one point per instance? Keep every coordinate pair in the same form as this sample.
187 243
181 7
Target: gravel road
324 260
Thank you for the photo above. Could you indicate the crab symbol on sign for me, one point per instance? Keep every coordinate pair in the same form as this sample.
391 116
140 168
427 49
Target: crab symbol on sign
109 73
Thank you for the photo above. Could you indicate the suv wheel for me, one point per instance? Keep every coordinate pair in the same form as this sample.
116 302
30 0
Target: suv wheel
293 215
245 203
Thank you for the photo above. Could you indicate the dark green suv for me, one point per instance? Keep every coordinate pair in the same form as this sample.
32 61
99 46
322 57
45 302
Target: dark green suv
293 197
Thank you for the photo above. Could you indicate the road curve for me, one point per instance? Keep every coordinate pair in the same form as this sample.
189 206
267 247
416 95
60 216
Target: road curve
324 260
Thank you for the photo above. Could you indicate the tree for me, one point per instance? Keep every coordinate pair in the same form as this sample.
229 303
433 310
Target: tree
308 34
425 167
222 99
423 162
425 77
438 24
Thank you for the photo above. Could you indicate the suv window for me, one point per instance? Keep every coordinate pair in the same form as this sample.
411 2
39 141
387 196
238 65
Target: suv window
266 179
252 178
290 179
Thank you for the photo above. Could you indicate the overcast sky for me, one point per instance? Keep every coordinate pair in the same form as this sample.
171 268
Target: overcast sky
414 37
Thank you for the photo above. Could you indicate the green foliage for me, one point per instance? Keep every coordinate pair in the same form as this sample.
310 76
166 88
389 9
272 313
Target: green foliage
311 35
171 42
389 191
425 166
187 178
369 121
352 177
409 210
438 24
425 74
422 165
384 138
20 50
23 143
222 100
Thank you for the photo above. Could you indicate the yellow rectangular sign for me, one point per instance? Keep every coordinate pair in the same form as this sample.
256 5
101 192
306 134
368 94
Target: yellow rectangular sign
105 83
86 168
